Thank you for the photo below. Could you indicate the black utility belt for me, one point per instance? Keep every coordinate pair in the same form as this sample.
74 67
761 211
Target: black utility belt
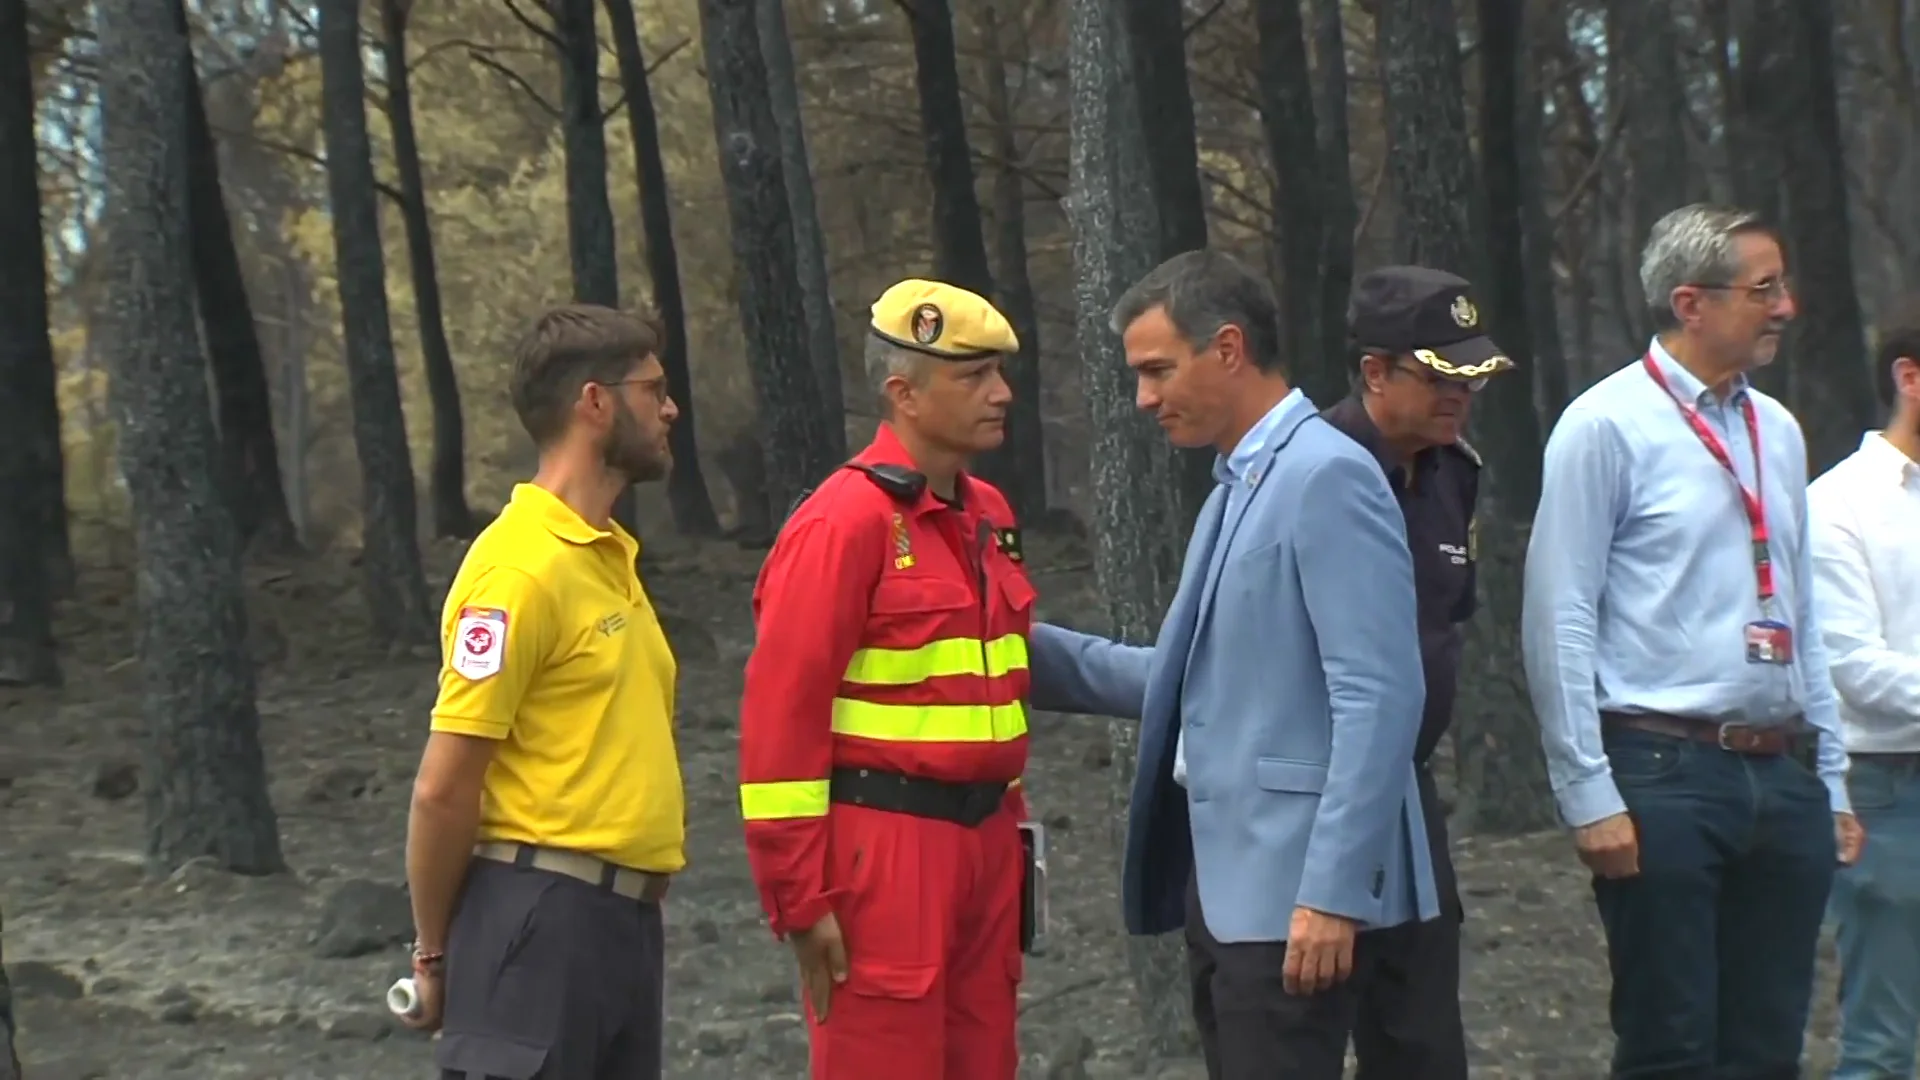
941 800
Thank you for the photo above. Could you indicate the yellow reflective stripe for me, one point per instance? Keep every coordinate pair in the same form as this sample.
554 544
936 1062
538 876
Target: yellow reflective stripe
783 799
929 723
948 656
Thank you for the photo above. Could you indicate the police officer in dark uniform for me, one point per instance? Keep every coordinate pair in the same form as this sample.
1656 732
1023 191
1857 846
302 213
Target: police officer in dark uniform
1422 355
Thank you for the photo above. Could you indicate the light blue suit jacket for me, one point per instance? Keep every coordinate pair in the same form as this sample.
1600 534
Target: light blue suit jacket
1293 657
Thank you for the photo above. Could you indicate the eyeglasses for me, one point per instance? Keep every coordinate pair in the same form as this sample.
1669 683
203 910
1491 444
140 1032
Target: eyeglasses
1770 291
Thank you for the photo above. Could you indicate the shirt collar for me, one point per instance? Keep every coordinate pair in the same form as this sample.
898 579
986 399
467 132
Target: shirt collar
564 521
1238 465
887 449
1351 417
1686 385
1881 454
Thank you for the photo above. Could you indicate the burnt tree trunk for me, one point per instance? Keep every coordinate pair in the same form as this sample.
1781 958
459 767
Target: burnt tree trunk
1299 188
959 247
809 242
1026 448
250 471
1156 58
1826 347
1643 39
1138 529
797 435
1500 780
687 495
447 483
206 776
390 569
9 1052
30 371
590 237
31 486
1339 211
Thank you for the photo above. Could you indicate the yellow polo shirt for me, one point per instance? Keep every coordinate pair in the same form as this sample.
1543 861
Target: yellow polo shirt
551 646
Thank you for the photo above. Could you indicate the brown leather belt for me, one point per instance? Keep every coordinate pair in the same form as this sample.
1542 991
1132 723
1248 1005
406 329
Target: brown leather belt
1771 740
646 886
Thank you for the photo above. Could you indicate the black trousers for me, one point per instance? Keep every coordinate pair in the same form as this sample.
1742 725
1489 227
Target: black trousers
1409 1025
549 978
1251 1028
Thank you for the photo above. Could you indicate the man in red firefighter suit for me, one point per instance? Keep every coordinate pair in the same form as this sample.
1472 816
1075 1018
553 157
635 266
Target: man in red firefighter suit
882 727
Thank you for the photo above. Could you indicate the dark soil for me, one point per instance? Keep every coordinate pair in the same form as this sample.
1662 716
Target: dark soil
209 975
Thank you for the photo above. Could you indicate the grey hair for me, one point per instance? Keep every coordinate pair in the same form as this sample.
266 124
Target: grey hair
1203 291
884 360
1691 246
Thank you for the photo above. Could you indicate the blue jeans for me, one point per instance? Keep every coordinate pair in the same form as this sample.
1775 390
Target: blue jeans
1712 944
1877 906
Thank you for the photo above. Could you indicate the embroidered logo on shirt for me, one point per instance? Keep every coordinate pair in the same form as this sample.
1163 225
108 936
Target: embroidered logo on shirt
479 642
609 625
902 544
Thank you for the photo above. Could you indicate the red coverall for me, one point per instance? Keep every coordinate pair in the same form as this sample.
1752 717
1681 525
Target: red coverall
891 638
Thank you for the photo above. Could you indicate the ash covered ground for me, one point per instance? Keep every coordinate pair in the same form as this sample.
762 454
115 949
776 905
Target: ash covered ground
204 974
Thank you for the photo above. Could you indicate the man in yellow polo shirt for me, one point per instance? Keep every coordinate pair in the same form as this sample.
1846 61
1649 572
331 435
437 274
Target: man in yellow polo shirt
547 814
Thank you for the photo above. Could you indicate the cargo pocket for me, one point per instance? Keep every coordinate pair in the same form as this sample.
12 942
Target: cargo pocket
488 1057
890 979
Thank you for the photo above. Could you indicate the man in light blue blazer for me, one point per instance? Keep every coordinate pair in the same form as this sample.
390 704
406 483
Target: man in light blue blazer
1284 693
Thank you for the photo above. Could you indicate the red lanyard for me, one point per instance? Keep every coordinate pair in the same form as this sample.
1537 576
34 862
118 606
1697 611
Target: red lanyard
1753 500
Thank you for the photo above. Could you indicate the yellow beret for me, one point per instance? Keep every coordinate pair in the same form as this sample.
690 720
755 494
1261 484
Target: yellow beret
942 320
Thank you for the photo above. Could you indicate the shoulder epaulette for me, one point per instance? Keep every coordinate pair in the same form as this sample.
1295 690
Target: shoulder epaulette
1467 451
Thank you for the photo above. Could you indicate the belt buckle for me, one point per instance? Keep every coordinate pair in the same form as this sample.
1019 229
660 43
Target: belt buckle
1721 736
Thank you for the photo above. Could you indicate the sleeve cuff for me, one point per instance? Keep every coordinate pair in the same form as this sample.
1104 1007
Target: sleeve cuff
801 916
1837 793
1584 802
466 725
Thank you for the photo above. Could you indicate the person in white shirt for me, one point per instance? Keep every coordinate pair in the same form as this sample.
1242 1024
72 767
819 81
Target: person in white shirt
1864 515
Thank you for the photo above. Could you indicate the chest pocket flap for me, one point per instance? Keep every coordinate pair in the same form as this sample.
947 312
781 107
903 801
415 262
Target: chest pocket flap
914 594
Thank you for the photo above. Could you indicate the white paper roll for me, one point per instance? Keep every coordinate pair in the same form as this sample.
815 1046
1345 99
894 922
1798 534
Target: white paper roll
403 999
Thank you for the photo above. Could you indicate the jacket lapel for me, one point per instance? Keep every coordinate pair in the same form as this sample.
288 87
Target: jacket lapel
1176 630
1298 413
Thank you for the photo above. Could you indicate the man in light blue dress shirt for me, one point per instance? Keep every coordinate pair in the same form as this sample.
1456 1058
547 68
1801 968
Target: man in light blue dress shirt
1677 671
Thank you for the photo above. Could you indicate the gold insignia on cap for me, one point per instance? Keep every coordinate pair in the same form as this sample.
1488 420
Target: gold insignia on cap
1464 313
942 320
1481 370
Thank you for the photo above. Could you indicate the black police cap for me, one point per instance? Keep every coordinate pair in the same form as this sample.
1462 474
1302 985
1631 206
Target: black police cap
1428 314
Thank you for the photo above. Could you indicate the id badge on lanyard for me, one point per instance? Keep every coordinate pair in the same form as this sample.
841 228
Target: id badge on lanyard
1768 640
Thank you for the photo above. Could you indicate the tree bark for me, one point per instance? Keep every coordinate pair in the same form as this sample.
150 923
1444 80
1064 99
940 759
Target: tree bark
591 243
1299 189
27 653
1643 36
1137 526
1023 479
447 482
809 243
1833 383
687 496
796 433
33 460
1339 212
959 247
396 589
1156 59
206 776
250 470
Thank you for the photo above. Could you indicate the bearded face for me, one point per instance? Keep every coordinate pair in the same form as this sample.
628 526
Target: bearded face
636 449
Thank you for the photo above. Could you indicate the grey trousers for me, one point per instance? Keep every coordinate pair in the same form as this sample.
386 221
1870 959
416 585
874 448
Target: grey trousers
550 978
